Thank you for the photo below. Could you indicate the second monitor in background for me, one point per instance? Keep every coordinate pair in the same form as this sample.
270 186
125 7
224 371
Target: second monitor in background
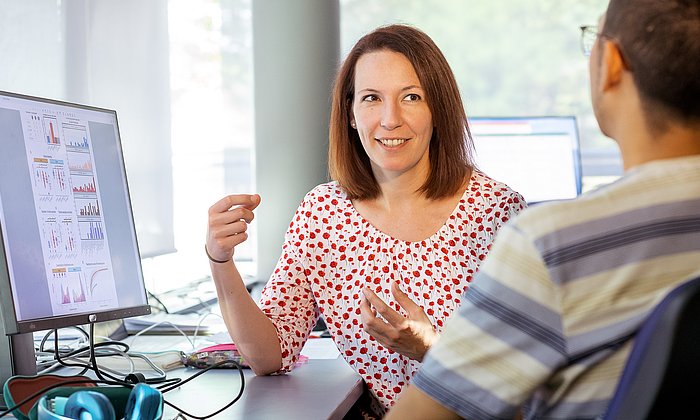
537 156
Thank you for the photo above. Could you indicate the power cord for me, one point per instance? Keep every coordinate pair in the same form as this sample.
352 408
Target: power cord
203 371
76 359
101 373
160 302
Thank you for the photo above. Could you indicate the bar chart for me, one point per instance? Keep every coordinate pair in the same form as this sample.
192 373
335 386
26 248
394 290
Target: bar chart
91 231
83 184
51 130
87 207
76 137
79 162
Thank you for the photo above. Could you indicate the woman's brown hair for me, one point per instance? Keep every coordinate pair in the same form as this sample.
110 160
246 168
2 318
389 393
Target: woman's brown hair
451 145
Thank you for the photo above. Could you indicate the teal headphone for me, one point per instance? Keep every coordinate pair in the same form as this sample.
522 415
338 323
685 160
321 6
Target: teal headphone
143 403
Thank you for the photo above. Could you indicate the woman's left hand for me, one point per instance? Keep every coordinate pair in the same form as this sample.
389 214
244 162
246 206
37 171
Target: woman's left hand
411 336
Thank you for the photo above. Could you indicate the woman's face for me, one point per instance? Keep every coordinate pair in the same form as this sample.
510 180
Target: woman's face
391 115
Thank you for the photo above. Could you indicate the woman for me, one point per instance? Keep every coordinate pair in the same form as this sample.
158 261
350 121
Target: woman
384 252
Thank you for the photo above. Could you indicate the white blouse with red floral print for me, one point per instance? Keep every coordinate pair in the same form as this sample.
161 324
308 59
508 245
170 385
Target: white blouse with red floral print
331 252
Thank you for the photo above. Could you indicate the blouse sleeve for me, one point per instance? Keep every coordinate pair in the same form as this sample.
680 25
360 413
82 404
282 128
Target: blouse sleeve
511 203
287 299
503 203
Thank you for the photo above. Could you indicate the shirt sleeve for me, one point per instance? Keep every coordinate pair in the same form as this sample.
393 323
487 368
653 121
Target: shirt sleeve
515 204
287 299
505 340
510 204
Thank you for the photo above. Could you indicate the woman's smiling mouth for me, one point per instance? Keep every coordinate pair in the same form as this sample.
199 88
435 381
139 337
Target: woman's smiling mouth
392 142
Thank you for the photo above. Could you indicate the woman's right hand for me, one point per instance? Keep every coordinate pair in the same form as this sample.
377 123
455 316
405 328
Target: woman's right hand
228 223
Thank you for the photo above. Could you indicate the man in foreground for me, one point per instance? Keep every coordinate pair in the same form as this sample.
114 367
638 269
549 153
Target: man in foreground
549 321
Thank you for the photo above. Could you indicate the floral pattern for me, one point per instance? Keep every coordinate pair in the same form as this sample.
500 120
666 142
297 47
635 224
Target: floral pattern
331 252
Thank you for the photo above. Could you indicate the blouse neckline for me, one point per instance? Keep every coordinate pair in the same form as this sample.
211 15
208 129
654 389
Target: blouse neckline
431 238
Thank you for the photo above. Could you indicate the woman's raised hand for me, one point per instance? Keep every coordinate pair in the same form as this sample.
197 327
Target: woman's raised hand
228 223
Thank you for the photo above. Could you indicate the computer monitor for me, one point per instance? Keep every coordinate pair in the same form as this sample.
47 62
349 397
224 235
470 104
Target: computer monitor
69 254
537 156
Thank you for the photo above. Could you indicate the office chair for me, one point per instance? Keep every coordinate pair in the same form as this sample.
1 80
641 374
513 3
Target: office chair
662 373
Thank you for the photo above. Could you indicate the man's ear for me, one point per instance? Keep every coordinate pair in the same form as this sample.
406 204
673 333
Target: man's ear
613 65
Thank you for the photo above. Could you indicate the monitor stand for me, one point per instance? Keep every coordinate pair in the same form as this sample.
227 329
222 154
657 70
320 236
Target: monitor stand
17 357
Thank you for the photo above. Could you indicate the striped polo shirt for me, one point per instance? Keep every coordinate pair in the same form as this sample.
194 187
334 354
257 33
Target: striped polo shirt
548 322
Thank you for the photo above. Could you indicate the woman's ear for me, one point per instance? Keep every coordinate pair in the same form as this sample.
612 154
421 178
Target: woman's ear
351 117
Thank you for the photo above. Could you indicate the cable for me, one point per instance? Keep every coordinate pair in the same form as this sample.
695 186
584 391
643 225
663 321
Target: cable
93 360
162 378
55 333
57 354
72 359
223 362
166 385
169 385
150 327
73 355
176 328
160 302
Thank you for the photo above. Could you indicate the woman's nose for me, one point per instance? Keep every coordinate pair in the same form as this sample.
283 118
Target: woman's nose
391 116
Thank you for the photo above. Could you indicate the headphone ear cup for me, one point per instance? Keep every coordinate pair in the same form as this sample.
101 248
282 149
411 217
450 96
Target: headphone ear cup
145 403
93 403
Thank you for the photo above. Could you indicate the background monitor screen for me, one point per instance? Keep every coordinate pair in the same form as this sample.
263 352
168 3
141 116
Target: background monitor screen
69 253
539 157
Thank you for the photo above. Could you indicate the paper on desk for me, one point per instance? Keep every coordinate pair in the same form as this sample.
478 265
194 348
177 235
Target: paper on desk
320 348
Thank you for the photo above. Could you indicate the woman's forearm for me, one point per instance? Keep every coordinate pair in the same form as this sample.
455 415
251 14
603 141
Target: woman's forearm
251 330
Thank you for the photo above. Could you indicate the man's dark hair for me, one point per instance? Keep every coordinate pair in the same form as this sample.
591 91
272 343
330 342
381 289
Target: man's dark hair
660 43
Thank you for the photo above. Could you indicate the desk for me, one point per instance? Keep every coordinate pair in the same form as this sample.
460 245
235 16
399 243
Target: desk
318 389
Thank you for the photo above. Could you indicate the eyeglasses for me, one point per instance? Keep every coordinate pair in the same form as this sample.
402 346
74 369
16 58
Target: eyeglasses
589 33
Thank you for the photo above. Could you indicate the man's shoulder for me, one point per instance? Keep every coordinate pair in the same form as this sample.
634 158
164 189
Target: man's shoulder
545 217
631 194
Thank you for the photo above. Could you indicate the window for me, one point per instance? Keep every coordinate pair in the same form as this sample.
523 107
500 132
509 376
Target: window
179 75
212 128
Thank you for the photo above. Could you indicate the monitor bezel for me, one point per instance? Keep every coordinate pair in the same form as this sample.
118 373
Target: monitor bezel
9 319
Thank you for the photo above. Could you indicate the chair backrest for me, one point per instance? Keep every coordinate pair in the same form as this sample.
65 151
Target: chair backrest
663 370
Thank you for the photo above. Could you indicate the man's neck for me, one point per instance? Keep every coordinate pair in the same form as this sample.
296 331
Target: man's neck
674 142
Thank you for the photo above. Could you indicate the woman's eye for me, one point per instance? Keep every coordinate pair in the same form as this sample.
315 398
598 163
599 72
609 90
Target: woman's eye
413 97
369 98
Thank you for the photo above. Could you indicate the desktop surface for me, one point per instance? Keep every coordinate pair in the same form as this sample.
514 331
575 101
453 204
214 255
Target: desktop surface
318 389
322 387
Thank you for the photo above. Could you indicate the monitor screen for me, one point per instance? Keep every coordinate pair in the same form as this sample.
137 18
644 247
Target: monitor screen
69 253
538 157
